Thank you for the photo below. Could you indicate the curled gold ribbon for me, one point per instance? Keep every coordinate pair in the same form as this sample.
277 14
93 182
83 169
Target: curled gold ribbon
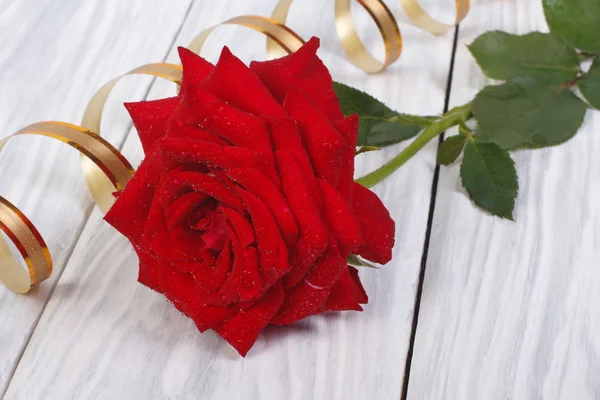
31 246
419 17
354 47
100 186
281 40
346 31
21 231
104 168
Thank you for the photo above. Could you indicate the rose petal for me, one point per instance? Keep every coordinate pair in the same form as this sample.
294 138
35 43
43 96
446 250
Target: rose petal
313 238
240 225
177 152
302 69
273 251
259 185
148 266
180 130
286 137
300 301
184 205
175 185
150 119
176 243
377 227
130 211
235 83
348 128
359 290
340 220
179 288
343 295
208 317
328 268
242 330
248 280
209 277
246 158
195 68
203 109
324 144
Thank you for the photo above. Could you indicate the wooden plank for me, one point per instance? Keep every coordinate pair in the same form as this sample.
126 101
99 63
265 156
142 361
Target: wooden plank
105 336
54 56
510 309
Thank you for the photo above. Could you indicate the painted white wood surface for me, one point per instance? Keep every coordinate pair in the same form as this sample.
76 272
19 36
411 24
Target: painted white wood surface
511 310
102 335
54 55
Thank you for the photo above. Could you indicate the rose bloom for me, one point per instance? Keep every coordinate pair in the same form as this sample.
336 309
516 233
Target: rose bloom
244 210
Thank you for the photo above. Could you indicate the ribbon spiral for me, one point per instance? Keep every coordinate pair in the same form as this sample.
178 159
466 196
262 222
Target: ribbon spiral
106 170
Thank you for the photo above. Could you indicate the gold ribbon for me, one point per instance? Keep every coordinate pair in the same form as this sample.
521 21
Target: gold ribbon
106 170
281 40
100 186
386 23
346 31
18 227
419 17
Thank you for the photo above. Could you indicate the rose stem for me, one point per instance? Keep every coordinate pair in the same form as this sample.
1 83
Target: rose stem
447 120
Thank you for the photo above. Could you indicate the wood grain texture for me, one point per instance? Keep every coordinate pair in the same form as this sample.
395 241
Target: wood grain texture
53 57
104 336
510 310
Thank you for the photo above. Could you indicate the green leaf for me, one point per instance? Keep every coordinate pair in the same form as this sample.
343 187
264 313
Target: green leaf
359 262
488 173
578 21
546 56
589 85
450 149
527 112
379 125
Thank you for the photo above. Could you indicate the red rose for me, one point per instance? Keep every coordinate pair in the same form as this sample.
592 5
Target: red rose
244 210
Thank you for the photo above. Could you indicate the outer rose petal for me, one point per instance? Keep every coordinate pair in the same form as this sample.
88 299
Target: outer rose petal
148 274
339 220
302 69
195 68
346 294
300 301
348 127
359 292
129 213
314 237
377 227
230 76
286 137
150 119
328 268
178 288
242 329
324 144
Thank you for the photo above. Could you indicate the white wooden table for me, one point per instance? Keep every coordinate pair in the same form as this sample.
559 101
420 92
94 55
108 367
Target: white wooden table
471 307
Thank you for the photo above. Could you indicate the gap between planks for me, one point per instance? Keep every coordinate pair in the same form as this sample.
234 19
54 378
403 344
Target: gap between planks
434 185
